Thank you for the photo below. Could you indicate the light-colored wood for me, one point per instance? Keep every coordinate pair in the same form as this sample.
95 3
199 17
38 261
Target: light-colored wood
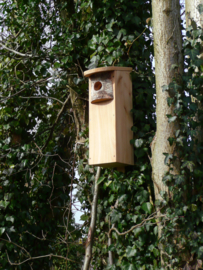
124 119
102 132
88 73
110 125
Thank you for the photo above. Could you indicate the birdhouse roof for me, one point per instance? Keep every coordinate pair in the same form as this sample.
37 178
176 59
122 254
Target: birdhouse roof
88 73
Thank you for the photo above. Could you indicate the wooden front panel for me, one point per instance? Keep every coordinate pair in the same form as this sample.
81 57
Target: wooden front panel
124 119
102 86
102 132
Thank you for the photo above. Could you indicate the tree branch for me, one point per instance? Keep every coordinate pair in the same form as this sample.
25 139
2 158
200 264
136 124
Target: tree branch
43 97
138 225
55 123
51 132
18 53
89 242
39 257
39 81
9 241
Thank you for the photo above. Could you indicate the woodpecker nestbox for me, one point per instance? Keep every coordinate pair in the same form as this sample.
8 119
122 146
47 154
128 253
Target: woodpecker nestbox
110 120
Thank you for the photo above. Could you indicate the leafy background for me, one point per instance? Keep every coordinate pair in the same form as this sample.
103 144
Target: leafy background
44 138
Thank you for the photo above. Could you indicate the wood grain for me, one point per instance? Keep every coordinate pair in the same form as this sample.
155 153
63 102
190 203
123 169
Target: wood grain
110 125
124 119
88 73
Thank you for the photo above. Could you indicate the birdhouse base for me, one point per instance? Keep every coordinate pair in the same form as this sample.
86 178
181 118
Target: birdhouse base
111 165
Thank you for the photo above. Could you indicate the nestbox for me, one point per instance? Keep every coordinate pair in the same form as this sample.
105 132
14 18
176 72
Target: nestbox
110 120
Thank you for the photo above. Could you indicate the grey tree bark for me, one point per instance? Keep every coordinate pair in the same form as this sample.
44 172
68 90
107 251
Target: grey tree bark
167 51
89 242
192 12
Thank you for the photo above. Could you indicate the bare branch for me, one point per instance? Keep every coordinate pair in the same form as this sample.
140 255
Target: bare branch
89 243
51 131
55 123
41 239
52 180
39 257
43 97
110 238
11 242
138 225
39 81
18 53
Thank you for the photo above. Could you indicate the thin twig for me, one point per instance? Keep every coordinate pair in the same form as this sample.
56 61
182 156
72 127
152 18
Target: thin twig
39 81
56 122
41 239
18 53
40 257
52 180
89 242
15 245
137 226
43 97
135 40
70 207
51 131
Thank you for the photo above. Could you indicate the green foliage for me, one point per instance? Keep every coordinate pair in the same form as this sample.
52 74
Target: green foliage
184 209
48 46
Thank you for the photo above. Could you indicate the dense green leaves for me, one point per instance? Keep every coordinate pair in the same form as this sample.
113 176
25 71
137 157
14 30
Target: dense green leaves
55 42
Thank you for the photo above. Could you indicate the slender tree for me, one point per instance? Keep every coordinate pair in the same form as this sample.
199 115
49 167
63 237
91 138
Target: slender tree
168 64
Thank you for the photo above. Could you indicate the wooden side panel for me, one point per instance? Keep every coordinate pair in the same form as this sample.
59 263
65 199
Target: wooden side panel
124 120
102 131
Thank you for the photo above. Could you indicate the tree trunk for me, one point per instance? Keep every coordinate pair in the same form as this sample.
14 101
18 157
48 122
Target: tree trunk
192 12
167 51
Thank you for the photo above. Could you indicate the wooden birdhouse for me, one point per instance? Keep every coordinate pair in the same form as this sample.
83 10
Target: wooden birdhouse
110 120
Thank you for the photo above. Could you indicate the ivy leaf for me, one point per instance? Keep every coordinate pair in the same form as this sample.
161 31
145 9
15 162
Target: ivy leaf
57 65
198 62
189 164
109 60
156 252
171 118
115 216
138 143
131 251
147 207
112 248
171 141
200 251
167 158
4 204
156 230
142 196
200 8
84 217
10 218
137 231
167 178
100 180
165 88
193 207
2 230
192 53
127 266
179 179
